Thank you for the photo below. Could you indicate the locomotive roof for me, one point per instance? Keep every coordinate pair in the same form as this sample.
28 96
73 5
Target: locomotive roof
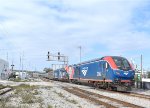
98 59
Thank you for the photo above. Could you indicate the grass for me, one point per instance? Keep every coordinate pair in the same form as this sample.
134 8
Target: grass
20 80
50 106
1 86
3 102
47 87
28 98
72 101
27 93
59 94
25 87
35 92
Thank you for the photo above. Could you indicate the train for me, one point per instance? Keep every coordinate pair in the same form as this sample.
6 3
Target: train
109 72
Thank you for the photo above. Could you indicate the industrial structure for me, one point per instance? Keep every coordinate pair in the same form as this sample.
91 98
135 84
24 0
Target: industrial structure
4 69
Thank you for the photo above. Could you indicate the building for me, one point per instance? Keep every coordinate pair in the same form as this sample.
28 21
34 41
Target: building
22 75
4 69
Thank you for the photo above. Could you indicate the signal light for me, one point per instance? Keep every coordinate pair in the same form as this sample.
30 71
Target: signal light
58 55
48 55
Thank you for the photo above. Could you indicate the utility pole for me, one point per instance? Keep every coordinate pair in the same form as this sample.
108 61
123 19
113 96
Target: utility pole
141 66
12 66
141 84
22 61
7 56
80 52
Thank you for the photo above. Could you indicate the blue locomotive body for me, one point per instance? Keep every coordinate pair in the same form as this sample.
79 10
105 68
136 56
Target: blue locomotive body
111 72
97 71
60 74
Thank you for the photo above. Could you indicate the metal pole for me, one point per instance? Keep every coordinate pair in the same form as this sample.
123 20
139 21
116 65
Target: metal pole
80 53
141 72
7 56
22 61
141 66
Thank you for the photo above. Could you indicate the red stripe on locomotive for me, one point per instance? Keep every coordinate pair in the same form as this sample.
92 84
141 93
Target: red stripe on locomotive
111 62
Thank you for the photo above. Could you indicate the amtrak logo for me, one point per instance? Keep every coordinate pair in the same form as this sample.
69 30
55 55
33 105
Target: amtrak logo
84 70
126 73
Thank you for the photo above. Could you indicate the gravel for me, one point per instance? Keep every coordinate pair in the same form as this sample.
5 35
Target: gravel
53 95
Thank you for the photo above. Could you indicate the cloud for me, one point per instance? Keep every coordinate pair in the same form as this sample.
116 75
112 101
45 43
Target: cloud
100 27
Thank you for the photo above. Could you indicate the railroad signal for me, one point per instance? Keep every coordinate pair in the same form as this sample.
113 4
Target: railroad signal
139 77
12 67
58 55
48 55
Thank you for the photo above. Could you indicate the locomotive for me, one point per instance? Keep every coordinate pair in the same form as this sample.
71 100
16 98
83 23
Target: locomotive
109 72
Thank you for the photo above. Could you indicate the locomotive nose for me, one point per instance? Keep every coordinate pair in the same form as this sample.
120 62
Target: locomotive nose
124 74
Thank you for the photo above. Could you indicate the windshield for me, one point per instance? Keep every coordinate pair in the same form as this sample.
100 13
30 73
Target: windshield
122 63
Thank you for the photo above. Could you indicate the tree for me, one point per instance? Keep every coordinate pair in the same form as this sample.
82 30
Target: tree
148 74
48 70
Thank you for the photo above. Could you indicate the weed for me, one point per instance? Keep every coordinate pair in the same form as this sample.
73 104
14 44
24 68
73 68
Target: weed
47 87
28 98
72 101
38 100
41 105
17 79
59 94
1 86
3 102
24 87
35 92
79 106
50 106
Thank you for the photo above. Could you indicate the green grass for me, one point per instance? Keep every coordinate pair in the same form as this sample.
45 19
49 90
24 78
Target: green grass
50 106
3 102
72 101
27 93
1 86
28 98
35 92
25 86
59 94
47 87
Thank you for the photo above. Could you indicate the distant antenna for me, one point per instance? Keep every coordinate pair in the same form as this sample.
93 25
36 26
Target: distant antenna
80 52
12 66
7 57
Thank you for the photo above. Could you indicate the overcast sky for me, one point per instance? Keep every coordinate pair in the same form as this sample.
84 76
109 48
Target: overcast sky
30 28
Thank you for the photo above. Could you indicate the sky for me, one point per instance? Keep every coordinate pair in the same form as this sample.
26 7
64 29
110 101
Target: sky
31 28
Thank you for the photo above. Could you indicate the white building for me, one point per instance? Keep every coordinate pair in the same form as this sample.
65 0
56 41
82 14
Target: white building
4 69
22 75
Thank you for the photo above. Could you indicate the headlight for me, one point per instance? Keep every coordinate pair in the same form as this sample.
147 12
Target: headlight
118 73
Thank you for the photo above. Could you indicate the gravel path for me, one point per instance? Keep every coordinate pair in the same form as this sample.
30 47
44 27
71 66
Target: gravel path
52 95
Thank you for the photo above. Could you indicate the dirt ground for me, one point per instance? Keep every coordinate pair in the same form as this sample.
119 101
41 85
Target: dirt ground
42 94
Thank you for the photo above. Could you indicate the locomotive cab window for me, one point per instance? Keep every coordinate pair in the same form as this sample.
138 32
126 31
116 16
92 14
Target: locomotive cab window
122 63
77 71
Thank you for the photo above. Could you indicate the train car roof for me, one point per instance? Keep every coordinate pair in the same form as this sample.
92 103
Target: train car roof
97 59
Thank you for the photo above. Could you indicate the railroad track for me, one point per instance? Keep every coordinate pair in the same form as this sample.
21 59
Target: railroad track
5 90
132 94
99 99
139 95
